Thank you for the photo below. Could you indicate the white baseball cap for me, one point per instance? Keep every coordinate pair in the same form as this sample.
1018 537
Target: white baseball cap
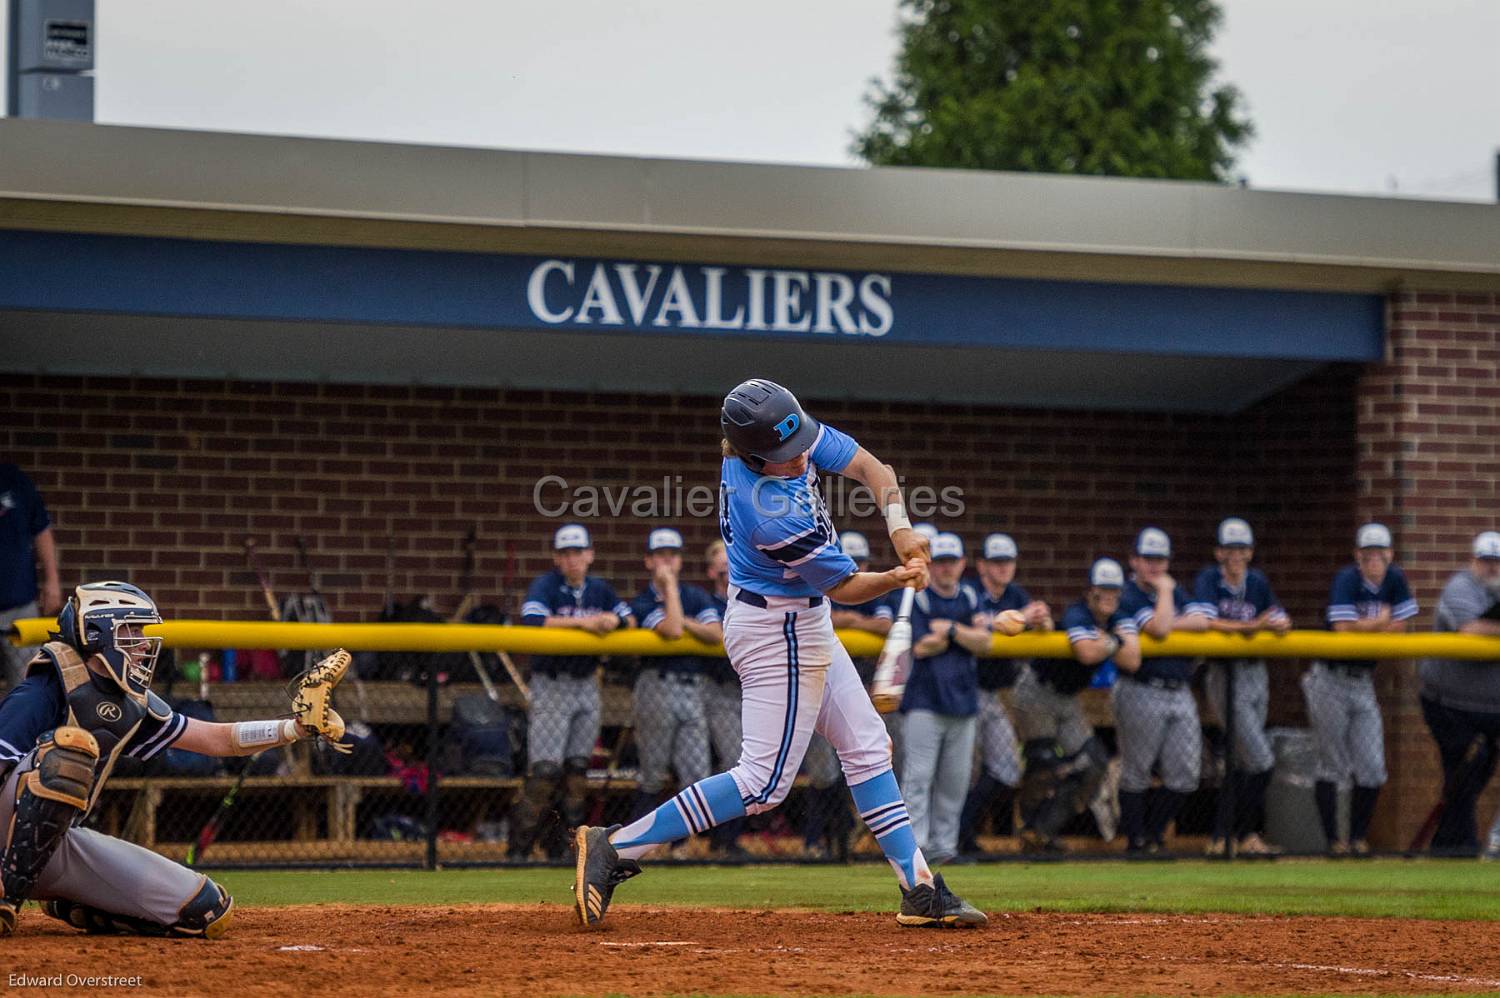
927 530
1373 535
1235 533
1487 545
999 546
664 539
573 535
854 544
947 545
1153 542
1107 574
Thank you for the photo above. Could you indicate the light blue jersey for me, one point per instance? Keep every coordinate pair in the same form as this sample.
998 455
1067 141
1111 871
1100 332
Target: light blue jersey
777 531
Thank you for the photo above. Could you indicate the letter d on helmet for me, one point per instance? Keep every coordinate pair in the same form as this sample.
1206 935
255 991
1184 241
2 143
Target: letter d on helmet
765 422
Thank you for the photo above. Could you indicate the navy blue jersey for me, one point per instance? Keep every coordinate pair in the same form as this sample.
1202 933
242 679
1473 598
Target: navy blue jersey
649 610
1000 673
37 705
1352 598
551 596
22 517
947 683
777 531
1216 599
1141 606
1068 675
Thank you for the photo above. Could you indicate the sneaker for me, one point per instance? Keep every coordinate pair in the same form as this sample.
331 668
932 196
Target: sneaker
1216 848
935 906
1338 848
1360 848
1254 845
598 872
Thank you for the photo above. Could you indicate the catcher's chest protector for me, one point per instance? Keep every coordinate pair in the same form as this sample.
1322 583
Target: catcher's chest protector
98 707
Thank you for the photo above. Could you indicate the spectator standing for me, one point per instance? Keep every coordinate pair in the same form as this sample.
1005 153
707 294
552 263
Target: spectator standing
941 702
1370 596
671 725
26 542
1236 598
564 712
999 761
1156 716
1461 700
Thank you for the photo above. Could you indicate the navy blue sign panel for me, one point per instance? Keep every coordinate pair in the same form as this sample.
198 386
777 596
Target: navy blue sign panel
69 272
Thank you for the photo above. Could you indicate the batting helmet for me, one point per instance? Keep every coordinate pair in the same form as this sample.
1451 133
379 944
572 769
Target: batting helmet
105 618
765 422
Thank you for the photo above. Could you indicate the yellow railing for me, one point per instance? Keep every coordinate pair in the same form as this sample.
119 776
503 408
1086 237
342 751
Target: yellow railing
553 641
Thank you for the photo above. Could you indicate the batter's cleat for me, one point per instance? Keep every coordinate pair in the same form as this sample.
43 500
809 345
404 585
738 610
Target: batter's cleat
599 871
8 914
935 906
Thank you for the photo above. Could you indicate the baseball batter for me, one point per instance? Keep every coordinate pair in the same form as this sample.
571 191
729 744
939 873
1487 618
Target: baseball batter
785 567
85 702
1369 596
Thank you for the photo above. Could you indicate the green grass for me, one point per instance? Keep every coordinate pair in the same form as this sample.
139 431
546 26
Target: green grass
1380 888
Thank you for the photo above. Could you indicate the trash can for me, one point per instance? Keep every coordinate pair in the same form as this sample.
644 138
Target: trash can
1291 805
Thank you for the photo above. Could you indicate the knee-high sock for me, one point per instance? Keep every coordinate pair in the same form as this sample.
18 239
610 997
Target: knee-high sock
693 811
879 802
1327 796
1133 817
1250 815
1361 810
1162 809
975 805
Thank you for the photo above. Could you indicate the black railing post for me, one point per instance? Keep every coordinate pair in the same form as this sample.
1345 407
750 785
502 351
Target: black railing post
1229 784
430 862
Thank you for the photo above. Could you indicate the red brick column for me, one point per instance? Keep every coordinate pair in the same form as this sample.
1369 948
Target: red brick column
1428 423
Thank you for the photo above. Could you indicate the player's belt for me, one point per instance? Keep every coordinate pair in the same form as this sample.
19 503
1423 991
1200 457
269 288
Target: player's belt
1348 671
756 599
1158 683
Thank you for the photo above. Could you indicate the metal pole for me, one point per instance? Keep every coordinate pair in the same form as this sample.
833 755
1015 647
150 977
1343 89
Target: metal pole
430 862
1227 800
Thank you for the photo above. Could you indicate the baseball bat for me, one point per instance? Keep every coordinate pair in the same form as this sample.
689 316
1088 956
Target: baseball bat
1455 779
210 830
894 664
253 561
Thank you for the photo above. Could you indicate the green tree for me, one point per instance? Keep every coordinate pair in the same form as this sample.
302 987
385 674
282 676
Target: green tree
1111 87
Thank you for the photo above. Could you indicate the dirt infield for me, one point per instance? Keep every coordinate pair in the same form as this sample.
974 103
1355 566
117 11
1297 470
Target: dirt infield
537 950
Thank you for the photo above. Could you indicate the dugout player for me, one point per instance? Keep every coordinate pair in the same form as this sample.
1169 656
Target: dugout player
721 703
26 542
86 702
563 718
785 566
826 821
1370 596
1237 599
999 762
1461 700
671 726
1156 717
1065 761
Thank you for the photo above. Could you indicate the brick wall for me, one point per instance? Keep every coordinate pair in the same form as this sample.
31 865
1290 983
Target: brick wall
1429 466
161 481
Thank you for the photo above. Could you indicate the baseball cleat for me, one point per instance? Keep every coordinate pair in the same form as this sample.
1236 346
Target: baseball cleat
8 913
598 872
935 906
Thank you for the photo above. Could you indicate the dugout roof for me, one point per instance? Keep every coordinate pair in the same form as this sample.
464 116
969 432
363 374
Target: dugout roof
211 255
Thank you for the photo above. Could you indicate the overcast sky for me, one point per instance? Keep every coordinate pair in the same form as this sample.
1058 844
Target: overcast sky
1347 95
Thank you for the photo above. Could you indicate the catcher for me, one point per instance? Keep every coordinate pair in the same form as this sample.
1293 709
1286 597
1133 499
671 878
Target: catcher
86 701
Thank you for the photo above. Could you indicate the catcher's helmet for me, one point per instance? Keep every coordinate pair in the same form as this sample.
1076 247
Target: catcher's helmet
94 621
765 422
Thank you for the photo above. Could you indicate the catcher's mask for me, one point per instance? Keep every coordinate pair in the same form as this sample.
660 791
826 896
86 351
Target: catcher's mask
106 619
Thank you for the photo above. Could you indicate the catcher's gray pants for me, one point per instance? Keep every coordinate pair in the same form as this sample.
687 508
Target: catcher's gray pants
1252 698
935 781
721 704
111 874
563 722
671 729
1157 727
1044 713
1346 723
997 740
12 659
821 763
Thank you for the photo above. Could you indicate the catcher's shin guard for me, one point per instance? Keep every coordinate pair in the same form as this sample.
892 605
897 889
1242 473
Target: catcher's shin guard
48 797
575 792
537 794
206 914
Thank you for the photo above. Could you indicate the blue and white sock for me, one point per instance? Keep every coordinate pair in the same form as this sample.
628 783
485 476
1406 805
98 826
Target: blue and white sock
880 804
695 810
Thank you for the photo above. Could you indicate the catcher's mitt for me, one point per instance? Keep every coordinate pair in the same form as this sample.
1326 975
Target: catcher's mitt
312 696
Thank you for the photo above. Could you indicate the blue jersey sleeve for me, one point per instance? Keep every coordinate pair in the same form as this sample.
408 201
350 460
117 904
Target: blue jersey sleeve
833 450
1343 597
1205 599
32 707
613 604
697 605
647 610
1122 623
535 610
1078 623
1403 603
804 546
